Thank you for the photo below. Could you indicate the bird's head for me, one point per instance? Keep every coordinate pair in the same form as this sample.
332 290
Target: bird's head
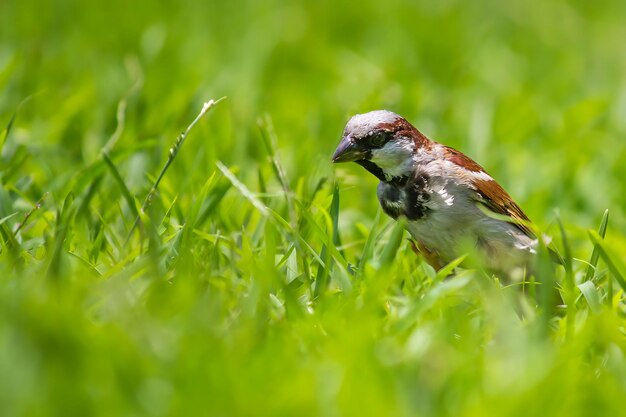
381 141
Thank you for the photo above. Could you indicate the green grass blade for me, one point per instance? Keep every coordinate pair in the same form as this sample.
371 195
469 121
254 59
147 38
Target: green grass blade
439 291
64 218
214 197
449 268
8 238
334 214
9 126
268 134
392 245
590 292
7 129
611 260
322 234
30 213
323 273
569 295
595 254
172 155
4 219
567 257
282 223
130 201
545 275
243 190
368 249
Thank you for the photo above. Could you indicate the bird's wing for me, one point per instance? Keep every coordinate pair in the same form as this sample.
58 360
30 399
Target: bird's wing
493 196
489 192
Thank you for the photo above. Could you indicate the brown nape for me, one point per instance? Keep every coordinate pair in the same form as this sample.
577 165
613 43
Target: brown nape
400 127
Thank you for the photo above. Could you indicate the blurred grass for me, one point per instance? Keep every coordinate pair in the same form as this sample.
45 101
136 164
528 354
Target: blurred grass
256 288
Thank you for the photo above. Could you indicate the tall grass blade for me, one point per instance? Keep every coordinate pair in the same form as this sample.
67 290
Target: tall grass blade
64 218
7 129
449 268
368 249
8 239
590 292
9 126
243 190
172 155
544 273
268 134
130 201
612 262
392 246
30 212
323 273
595 254
334 215
570 297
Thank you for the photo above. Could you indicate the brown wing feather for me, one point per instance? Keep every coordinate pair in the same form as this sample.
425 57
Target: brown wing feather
490 193
499 201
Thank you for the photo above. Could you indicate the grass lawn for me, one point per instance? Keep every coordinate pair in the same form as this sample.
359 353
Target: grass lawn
263 281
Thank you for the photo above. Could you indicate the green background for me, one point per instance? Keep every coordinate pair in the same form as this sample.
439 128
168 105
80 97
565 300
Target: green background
269 293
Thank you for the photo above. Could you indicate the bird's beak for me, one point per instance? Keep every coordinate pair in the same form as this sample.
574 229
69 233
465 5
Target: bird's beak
348 151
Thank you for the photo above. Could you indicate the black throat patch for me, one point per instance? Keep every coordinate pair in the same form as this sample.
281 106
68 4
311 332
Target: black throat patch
372 168
405 196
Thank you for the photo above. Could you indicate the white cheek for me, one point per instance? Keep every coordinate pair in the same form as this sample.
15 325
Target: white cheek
395 158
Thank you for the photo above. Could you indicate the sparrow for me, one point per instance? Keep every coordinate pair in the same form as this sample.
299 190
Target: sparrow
448 200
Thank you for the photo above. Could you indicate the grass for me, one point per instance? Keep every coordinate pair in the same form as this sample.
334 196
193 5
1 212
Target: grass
264 281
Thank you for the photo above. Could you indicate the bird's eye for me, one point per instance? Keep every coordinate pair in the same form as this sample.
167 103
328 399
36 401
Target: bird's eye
378 140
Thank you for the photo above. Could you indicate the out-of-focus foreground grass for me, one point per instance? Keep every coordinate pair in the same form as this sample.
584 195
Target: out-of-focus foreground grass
256 287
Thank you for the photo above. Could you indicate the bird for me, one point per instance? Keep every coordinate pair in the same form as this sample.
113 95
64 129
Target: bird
447 201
